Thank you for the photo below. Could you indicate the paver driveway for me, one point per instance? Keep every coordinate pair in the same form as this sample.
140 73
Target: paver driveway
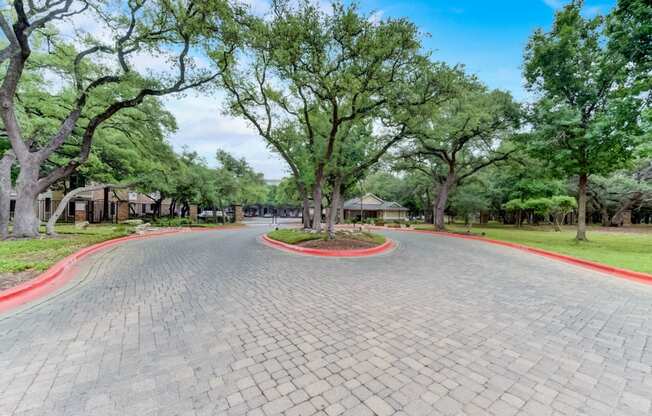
215 323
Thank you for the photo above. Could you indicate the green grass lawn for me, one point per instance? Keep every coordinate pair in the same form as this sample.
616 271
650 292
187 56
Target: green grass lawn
295 236
39 254
620 249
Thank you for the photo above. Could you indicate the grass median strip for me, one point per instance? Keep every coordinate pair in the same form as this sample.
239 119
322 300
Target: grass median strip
627 250
40 253
296 236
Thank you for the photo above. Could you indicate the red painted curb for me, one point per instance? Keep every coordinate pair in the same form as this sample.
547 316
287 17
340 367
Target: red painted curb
60 273
639 277
360 252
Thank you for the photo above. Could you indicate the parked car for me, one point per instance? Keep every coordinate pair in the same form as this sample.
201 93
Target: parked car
210 214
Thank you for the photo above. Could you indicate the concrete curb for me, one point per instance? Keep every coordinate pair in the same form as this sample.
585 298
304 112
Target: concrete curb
61 272
362 252
639 277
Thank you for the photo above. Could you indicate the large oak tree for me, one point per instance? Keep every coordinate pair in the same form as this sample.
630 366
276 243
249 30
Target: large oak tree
306 76
586 118
96 75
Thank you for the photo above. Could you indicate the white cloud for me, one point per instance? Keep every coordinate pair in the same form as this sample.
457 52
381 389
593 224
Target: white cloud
376 17
204 129
555 4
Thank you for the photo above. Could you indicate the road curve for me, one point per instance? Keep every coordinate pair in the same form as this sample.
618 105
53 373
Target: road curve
217 323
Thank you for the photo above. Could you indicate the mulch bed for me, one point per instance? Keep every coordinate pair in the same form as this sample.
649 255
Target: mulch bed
338 244
9 280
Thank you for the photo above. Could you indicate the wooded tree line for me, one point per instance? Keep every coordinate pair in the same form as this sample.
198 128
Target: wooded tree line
333 92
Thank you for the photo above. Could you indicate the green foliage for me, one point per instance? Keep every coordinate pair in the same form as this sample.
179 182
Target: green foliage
540 206
314 83
469 200
563 204
39 254
173 222
285 193
583 123
514 205
237 182
629 28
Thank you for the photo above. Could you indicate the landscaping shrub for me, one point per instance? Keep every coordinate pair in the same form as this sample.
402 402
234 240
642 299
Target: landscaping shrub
173 222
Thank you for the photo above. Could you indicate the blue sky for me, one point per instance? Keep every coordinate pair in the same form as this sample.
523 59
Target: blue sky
488 37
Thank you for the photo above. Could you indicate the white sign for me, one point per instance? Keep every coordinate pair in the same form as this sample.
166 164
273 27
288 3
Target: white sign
133 196
80 206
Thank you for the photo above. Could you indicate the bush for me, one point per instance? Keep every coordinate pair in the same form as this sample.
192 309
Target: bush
132 222
394 225
173 222
514 205
541 206
379 223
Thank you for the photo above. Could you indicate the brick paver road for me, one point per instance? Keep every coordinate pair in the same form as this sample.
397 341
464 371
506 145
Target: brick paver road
215 323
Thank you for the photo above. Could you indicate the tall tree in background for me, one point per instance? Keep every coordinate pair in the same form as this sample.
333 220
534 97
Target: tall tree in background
319 72
463 136
362 143
95 77
129 150
585 121
238 183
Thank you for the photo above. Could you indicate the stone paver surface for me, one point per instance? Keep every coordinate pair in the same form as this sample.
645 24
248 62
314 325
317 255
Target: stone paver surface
215 323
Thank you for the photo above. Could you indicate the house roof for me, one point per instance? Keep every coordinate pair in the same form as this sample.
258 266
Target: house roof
378 204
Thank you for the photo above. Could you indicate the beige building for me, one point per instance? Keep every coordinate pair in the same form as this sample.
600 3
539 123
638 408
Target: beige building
102 205
371 206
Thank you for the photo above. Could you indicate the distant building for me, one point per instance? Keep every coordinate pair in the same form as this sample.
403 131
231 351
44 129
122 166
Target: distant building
101 205
372 206
272 210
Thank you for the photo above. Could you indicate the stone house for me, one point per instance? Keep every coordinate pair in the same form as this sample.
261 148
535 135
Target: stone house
371 206
103 205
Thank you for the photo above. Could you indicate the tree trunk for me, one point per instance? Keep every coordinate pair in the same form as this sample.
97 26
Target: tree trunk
581 207
617 219
519 218
334 207
305 213
316 197
556 220
171 210
5 192
157 207
428 217
105 207
49 229
442 199
26 221
605 216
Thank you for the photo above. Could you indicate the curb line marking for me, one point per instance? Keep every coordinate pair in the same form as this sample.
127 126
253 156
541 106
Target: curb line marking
62 271
632 275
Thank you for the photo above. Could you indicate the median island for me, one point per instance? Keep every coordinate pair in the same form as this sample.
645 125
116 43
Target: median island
344 242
